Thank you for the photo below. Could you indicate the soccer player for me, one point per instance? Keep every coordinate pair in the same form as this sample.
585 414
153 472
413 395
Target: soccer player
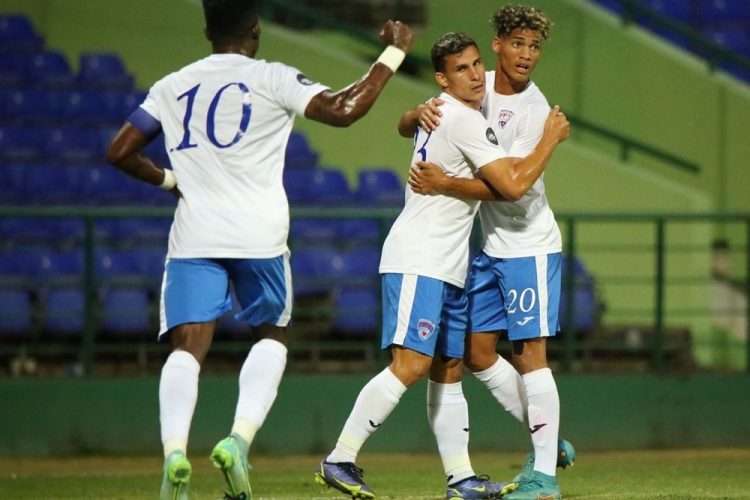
423 266
226 119
514 284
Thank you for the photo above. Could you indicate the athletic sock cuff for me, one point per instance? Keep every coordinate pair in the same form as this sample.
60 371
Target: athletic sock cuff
392 384
539 382
272 348
183 359
500 366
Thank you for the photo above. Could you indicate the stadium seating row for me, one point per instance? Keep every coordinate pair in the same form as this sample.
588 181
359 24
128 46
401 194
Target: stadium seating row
50 70
724 22
104 185
129 311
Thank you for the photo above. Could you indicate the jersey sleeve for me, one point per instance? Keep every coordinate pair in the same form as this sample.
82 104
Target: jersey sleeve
475 139
146 116
293 90
530 131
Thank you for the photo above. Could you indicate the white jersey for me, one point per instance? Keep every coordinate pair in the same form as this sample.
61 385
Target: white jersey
430 237
525 227
226 120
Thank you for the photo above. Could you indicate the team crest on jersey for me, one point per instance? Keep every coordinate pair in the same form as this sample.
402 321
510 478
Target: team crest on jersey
505 117
425 328
491 136
303 79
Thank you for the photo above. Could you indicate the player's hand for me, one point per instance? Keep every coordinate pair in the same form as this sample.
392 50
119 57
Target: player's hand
397 34
427 178
429 114
557 126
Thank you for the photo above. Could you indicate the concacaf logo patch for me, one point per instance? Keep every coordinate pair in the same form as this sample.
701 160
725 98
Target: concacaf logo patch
491 136
505 117
425 328
303 79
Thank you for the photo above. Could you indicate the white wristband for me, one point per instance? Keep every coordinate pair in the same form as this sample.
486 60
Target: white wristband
392 57
170 180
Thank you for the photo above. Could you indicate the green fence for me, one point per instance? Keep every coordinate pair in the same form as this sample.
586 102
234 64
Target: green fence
654 268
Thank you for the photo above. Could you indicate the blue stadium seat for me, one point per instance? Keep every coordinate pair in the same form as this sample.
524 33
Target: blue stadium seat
312 270
359 265
314 231
17 34
105 185
585 300
12 184
113 264
299 154
46 231
52 184
21 144
718 12
677 10
126 311
380 187
297 185
145 230
13 69
49 70
736 39
85 108
15 312
358 231
64 312
150 262
30 107
329 187
73 145
16 263
60 266
103 71
356 310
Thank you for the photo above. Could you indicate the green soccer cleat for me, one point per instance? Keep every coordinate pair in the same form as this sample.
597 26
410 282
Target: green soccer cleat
536 487
566 457
175 483
228 457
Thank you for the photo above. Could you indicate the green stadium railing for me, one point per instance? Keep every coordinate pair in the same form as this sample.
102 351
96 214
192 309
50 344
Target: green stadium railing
570 222
420 65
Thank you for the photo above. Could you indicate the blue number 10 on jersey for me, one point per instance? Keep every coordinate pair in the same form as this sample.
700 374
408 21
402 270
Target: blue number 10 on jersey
211 116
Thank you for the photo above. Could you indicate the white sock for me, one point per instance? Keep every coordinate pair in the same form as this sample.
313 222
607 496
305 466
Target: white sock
506 384
178 393
544 418
375 402
260 377
448 415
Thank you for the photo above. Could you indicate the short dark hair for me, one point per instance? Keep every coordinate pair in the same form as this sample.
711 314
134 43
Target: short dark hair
229 19
511 17
449 44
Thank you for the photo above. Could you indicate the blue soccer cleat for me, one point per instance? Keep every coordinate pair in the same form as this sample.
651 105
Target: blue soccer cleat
566 457
175 483
477 487
538 486
228 457
345 477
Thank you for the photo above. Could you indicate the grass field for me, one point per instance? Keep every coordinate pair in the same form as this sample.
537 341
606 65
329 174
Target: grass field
662 475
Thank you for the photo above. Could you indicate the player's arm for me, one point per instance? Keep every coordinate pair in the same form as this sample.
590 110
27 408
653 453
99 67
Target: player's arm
428 178
511 177
425 115
125 153
351 103
502 179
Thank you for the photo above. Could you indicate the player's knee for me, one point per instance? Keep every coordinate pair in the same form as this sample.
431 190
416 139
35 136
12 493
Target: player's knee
477 360
194 338
411 372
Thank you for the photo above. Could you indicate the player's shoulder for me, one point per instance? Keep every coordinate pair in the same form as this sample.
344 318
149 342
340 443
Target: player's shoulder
458 115
534 97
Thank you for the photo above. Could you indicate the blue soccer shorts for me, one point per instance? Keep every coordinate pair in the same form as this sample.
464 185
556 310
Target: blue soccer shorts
197 291
520 295
423 314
